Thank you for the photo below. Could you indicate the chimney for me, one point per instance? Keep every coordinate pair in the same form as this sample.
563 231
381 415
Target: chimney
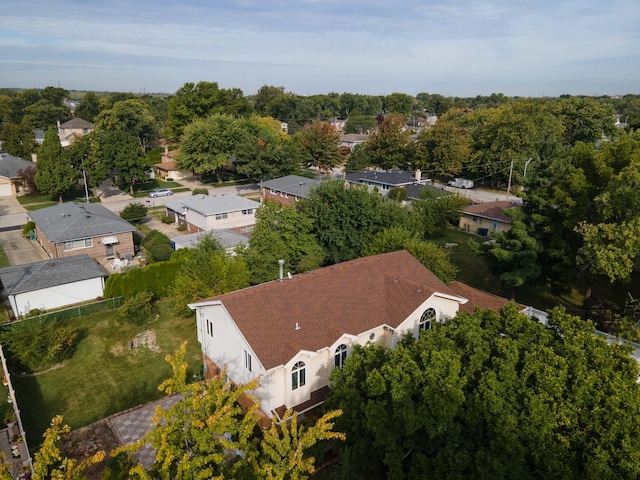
418 175
281 265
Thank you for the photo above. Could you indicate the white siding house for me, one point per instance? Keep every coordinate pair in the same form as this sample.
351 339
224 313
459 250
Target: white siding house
213 212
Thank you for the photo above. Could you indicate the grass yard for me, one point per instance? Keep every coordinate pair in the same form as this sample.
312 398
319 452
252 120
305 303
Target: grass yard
4 261
106 375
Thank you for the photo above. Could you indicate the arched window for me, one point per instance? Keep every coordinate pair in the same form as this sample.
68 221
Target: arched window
340 356
298 376
427 317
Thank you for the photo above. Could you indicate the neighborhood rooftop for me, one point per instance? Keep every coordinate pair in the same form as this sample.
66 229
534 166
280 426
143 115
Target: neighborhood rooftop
49 273
72 221
292 185
10 165
350 297
491 210
212 204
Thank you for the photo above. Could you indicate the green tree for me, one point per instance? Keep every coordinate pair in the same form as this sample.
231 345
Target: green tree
441 150
264 151
120 150
18 140
434 209
134 212
264 97
346 219
493 395
91 155
513 256
131 117
208 145
198 101
206 271
44 114
90 106
207 434
319 146
54 173
281 233
360 124
585 119
357 160
388 146
399 103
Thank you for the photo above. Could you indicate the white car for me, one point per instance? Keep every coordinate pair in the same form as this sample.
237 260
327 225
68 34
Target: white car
163 192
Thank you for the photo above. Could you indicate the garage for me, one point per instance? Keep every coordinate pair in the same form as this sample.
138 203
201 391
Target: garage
5 190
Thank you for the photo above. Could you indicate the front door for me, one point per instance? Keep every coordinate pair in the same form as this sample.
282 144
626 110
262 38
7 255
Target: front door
109 251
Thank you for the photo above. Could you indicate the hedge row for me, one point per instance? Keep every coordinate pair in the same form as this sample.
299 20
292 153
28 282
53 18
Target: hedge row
156 277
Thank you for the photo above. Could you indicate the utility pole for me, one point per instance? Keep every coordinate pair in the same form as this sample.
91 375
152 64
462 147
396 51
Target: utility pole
509 184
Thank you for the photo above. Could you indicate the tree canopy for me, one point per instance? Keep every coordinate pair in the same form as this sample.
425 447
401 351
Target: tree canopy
54 172
493 395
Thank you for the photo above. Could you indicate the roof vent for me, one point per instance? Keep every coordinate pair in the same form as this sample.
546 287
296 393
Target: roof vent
297 326
419 290
395 280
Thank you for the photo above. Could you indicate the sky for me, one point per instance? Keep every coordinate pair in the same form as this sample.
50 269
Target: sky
375 47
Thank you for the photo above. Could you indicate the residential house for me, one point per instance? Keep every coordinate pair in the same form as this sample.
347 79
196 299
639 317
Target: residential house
38 134
385 180
291 333
10 183
213 212
52 283
71 228
485 218
76 127
167 167
228 239
287 190
350 140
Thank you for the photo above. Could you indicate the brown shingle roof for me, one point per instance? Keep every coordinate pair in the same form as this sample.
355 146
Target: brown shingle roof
350 297
492 210
477 298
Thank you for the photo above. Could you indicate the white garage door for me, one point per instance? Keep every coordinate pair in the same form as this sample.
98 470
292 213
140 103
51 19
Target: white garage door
5 190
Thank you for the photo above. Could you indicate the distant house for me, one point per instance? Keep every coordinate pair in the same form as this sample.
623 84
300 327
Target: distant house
287 190
71 228
350 140
10 183
228 239
213 212
69 131
167 167
52 283
38 134
385 180
485 218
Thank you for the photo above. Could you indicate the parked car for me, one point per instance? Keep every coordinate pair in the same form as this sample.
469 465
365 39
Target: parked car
460 183
163 192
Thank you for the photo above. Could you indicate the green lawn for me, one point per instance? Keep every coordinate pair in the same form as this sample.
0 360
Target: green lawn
105 376
4 261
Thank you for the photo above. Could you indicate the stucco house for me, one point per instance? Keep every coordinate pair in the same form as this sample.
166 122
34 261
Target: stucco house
293 332
71 228
69 131
10 183
167 167
53 283
212 212
287 190
485 218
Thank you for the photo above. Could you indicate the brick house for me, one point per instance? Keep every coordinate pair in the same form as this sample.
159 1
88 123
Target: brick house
71 228
485 218
287 190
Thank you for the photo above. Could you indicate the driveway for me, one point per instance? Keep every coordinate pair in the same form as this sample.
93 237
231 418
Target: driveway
12 214
20 250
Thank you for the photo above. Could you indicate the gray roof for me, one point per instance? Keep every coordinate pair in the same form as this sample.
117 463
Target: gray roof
77 123
391 177
49 273
292 185
9 165
72 221
413 190
207 205
228 238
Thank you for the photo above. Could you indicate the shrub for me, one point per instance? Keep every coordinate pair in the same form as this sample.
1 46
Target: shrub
27 228
200 191
169 179
161 252
398 194
156 278
35 344
166 219
134 212
137 309
154 237
182 228
118 467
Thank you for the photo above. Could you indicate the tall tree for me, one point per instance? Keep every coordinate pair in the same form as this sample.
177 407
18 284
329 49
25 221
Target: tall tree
55 174
18 140
208 146
264 151
319 146
399 104
493 395
388 146
585 119
360 124
346 219
281 233
131 117
441 150
89 108
120 150
264 97
433 210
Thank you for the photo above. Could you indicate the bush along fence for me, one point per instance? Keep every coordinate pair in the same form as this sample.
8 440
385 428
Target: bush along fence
82 310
